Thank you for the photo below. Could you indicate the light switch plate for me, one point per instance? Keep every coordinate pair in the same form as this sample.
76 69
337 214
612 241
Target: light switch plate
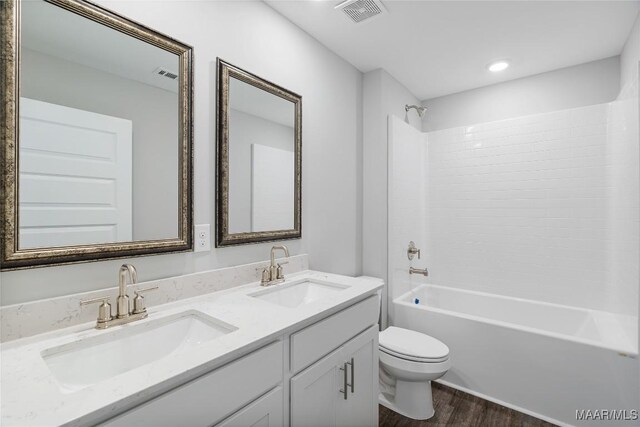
202 238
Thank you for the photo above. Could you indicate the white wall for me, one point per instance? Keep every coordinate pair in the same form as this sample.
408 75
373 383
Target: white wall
382 96
629 90
624 151
408 185
245 130
586 84
629 59
254 37
154 113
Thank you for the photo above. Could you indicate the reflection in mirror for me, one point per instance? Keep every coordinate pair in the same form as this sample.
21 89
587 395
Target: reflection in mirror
97 136
99 122
261 160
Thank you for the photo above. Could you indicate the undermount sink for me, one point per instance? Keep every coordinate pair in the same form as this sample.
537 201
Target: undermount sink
298 293
88 361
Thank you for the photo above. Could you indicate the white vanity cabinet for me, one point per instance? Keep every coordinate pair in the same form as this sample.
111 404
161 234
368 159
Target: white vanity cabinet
360 408
264 412
207 400
329 377
341 389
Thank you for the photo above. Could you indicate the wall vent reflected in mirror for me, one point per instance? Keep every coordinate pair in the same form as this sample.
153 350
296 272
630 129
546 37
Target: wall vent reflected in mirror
166 73
98 163
259 159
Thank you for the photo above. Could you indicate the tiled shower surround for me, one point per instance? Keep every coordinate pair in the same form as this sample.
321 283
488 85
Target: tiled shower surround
543 207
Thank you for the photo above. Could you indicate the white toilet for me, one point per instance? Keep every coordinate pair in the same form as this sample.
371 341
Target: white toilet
409 361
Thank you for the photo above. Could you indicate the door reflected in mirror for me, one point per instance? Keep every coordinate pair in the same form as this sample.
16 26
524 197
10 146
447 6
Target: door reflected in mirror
99 122
259 159
97 146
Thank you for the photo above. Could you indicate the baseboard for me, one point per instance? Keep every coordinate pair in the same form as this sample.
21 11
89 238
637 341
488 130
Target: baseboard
505 404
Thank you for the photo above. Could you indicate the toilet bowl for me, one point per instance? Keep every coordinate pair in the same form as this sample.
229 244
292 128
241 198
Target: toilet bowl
409 361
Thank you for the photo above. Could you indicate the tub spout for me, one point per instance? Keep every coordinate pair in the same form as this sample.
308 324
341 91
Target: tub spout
422 271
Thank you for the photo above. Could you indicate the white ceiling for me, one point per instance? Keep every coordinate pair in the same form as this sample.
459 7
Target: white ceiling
56 32
437 48
260 103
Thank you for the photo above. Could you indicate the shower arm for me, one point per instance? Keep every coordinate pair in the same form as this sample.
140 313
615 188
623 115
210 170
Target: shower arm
420 110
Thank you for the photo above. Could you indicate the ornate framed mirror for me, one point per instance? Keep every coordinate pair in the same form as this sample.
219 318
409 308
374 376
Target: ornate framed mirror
96 128
258 158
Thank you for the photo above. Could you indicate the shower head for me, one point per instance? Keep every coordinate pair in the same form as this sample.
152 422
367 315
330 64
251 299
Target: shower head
420 110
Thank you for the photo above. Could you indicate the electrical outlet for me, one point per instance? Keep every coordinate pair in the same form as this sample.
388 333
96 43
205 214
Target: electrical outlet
202 240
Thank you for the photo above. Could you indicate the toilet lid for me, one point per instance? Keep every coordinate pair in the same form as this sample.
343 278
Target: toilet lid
413 358
412 345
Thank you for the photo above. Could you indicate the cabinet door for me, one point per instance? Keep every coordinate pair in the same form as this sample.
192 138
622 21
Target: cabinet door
212 397
264 412
361 407
315 392
311 343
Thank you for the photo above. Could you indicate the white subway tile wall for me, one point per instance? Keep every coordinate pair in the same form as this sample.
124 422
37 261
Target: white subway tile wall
624 208
407 206
542 207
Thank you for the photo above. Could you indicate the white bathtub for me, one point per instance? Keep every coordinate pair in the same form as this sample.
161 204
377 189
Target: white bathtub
547 360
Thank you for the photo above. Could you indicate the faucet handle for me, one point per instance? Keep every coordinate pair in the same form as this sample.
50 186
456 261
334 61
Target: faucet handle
140 291
104 311
266 276
412 251
138 301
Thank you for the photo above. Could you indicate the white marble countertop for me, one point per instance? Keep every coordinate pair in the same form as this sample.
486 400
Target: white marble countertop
30 395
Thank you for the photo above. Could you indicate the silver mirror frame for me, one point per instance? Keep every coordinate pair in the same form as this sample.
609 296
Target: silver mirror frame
14 258
223 237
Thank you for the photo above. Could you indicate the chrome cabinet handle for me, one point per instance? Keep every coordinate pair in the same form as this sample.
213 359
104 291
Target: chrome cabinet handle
353 374
344 390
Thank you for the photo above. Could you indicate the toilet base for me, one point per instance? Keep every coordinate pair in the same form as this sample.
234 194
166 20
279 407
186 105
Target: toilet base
412 399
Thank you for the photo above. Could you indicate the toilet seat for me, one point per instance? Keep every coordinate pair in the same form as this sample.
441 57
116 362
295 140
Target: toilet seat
409 370
413 358
412 346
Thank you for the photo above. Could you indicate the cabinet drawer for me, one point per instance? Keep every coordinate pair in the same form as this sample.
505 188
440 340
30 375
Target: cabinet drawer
264 412
319 339
208 399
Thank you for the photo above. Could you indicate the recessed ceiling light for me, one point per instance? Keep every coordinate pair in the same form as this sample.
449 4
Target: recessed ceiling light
498 66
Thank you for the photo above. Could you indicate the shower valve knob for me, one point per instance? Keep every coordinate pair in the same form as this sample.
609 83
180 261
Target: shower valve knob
412 251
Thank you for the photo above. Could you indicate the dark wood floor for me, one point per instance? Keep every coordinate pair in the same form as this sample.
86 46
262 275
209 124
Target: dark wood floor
458 409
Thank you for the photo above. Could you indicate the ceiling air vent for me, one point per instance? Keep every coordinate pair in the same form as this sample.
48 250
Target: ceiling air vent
361 10
165 73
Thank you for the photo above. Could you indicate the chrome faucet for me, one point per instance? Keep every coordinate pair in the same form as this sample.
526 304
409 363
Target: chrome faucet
274 273
124 314
412 251
123 298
